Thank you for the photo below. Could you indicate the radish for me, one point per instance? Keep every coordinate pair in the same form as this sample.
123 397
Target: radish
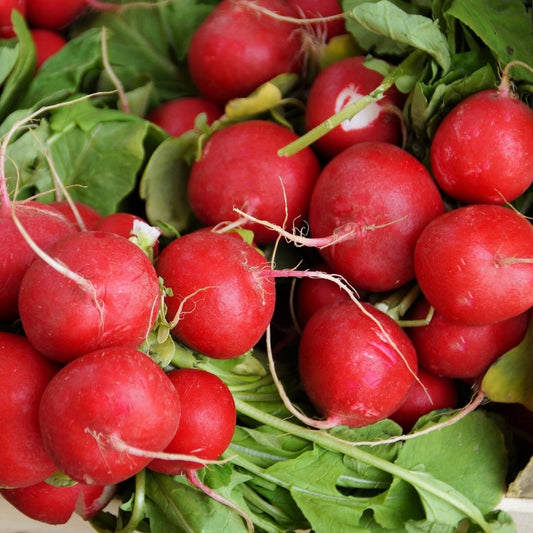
240 168
330 11
474 264
81 214
6 7
457 350
207 422
386 197
429 393
101 403
239 47
44 225
356 364
100 290
56 504
53 14
339 85
47 43
221 304
179 115
482 151
25 373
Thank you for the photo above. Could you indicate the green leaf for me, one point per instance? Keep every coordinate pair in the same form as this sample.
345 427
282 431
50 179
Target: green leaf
503 26
163 185
402 30
510 378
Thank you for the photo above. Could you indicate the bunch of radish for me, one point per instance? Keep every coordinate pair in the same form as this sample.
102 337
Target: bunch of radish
410 277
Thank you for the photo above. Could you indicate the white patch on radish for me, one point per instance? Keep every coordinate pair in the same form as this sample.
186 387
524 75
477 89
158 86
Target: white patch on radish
361 120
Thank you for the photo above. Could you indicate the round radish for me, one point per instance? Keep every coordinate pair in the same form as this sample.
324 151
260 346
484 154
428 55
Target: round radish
207 422
221 301
387 197
6 7
113 300
457 350
240 168
330 10
482 152
238 47
89 216
179 115
24 374
47 43
44 225
102 405
52 14
339 85
355 369
474 264
56 505
429 393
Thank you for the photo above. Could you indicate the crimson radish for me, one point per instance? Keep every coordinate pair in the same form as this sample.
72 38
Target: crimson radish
81 214
474 264
24 373
238 47
339 85
482 151
207 422
102 290
357 365
47 43
6 7
385 197
102 405
240 168
52 14
179 115
455 350
221 304
330 11
56 504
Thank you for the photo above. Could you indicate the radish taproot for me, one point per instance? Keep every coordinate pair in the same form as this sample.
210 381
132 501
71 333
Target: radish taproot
102 290
349 356
238 47
25 373
474 264
339 85
207 422
220 303
240 168
100 406
385 197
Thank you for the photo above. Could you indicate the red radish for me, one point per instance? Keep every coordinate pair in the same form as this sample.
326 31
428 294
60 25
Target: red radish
24 374
457 350
238 47
356 364
47 43
221 300
474 264
330 10
314 293
88 215
53 15
44 225
339 85
179 115
387 197
429 393
207 422
240 168
482 152
102 291
132 227
56 505
6 8
101 404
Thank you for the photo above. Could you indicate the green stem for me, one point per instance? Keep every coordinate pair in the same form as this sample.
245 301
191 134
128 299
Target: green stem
331 443
348 112
138 511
